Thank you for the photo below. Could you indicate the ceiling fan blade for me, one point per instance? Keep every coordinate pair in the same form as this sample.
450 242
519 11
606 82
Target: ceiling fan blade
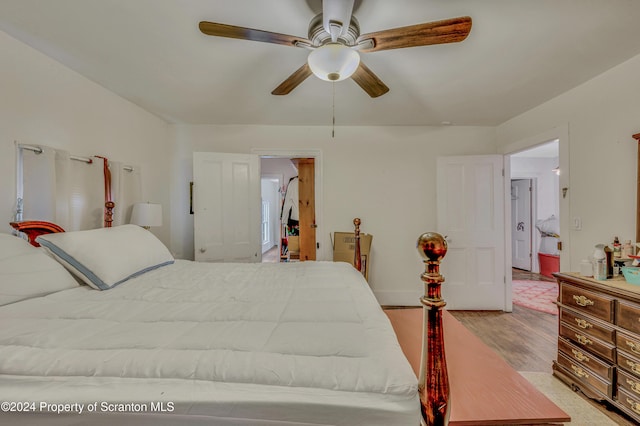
437 32
243 33
293 80
369 82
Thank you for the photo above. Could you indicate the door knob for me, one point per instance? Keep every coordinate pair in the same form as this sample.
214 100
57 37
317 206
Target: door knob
202 250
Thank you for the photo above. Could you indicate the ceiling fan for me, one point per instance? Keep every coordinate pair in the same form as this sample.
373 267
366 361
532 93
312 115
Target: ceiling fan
335 42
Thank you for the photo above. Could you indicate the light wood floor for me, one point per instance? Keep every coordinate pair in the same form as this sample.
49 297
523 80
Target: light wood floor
271 256
525 338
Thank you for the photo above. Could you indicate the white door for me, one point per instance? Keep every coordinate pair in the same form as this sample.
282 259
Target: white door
470 203
521 224
227 207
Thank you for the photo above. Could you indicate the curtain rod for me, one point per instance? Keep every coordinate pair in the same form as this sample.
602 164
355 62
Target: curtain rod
35 149
87 160
83 159
38 150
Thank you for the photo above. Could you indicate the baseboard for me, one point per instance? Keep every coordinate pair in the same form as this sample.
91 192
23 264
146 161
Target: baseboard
398 298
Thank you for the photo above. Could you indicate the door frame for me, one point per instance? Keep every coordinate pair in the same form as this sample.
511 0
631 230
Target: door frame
534 218
316 154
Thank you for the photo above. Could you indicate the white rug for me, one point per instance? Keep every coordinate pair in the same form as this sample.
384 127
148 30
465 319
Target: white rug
582 413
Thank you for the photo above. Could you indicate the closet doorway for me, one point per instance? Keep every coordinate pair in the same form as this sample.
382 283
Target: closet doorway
295 222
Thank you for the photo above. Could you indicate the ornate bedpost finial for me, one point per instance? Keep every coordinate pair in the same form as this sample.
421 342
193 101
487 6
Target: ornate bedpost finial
433 383
357 257
108 213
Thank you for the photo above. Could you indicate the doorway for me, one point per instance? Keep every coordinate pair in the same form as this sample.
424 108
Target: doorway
539 165
294 220
535 189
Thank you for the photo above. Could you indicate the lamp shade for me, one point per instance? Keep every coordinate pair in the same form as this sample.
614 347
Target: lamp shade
333 62
146 214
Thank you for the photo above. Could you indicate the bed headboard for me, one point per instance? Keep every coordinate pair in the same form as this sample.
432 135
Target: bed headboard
33 228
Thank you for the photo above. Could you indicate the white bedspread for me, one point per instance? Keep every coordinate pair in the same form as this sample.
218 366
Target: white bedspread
302 343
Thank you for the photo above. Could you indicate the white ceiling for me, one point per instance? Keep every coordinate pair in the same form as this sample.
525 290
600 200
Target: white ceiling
546 150
518 55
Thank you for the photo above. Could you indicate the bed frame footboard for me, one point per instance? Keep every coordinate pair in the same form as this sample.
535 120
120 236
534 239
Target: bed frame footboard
433 381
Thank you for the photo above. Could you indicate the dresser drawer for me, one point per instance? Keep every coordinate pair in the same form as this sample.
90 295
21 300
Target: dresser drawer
598 305
586 376
628 362
629 383
589 343
628 315
594 364
630 402
598 329
628 343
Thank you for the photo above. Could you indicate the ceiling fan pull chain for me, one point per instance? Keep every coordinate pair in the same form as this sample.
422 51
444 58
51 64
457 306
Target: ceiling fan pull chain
333 109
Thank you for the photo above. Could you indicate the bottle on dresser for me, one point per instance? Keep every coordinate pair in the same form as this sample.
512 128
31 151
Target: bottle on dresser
617 248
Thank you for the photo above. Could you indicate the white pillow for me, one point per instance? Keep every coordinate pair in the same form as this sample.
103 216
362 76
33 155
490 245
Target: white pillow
27 271
106 257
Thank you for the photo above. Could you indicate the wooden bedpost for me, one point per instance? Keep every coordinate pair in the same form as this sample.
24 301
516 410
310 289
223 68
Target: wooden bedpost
433 382
109 205
357 257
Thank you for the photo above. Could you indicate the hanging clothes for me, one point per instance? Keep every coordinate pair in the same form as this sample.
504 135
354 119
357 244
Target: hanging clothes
290 213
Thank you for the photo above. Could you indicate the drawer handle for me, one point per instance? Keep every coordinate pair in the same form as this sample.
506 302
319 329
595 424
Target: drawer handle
634 367
635 406
582 300
583 339
579 356
635 386
579 371
633 347
583 323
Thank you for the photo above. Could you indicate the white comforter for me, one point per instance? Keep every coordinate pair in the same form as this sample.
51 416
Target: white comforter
304 341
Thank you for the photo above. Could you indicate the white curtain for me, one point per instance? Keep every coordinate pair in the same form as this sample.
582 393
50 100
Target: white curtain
38 184
60 188
126 190
85 195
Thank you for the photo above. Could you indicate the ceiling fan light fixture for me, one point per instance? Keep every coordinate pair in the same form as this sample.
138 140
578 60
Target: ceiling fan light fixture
333 62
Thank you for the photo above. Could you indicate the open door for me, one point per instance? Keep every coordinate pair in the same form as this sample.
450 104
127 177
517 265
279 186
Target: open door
521 224
470 203
226 207
307 207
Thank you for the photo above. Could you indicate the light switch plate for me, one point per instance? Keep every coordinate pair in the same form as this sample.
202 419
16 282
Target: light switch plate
577 223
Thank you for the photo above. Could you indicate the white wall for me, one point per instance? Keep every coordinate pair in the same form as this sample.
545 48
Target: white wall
43 102
601 115
384 175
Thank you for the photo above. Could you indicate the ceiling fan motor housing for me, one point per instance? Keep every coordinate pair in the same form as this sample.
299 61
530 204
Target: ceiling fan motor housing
319 36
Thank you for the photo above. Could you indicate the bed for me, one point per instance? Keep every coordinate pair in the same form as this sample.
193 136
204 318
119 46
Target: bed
106 327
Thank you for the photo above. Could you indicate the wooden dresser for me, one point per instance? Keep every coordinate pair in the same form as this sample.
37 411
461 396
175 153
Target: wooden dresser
599 339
